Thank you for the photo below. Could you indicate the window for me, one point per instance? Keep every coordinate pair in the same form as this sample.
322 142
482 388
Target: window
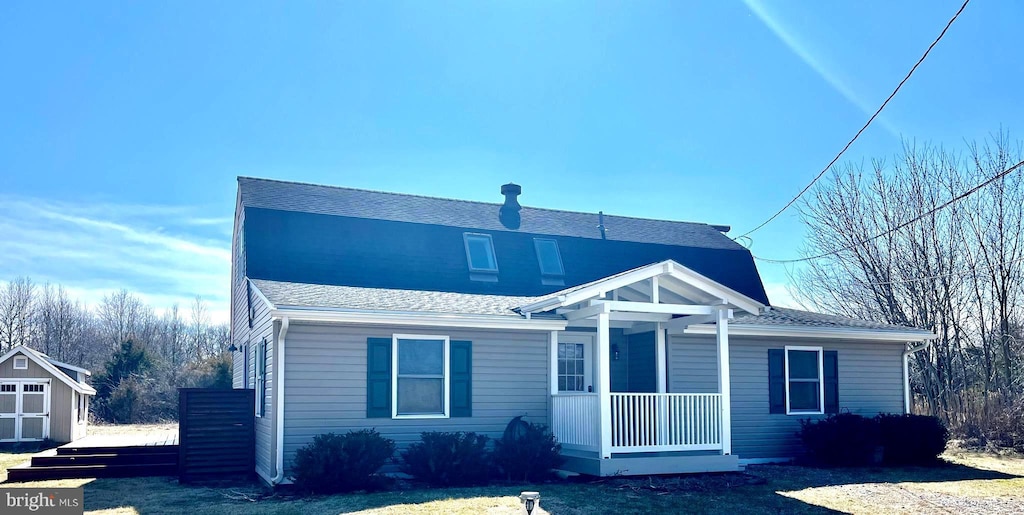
245 366
573 370
82 407
480 253
20 363
9 387
33 388
261 378
805 391
548 256
421 382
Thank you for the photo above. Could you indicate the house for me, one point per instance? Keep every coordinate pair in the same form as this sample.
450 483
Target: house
42 398
647 346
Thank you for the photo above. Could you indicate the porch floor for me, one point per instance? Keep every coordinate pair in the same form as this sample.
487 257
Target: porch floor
651 463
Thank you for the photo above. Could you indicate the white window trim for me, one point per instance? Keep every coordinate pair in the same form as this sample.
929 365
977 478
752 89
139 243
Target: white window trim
261 377
821 379
446 382
558 254
23 363
469 258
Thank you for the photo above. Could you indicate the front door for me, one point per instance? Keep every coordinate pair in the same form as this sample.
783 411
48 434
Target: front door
24 410
575 363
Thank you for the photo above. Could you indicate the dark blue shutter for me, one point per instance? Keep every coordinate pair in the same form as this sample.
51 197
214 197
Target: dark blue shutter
378 378
776 381
831 366
460 354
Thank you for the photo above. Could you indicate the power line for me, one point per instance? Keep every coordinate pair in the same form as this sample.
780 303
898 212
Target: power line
902 225
962 273
855 136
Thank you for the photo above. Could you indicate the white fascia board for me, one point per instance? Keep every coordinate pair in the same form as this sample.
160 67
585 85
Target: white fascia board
270 305
417 319
817 332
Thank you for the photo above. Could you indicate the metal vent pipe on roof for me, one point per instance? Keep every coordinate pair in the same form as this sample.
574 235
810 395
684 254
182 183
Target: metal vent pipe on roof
509 212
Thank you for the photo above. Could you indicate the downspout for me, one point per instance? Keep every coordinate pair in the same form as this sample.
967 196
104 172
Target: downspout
906 373
280 402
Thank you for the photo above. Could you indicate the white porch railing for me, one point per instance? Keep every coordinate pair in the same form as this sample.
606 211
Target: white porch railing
575 420
649 422
641 422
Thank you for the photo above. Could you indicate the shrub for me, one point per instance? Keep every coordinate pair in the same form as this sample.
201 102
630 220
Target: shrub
1006 425
911 439
448 459
843 439
342 463
529 455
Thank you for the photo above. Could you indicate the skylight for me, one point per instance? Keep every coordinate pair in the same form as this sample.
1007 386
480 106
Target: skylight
480 253
548 256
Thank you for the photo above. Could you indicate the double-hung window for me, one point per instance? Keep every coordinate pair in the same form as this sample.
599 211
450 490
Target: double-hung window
421 381
805 390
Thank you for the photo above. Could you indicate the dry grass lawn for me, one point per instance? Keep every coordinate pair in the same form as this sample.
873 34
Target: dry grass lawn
971 482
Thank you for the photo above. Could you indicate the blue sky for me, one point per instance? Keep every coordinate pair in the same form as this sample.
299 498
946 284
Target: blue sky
123 125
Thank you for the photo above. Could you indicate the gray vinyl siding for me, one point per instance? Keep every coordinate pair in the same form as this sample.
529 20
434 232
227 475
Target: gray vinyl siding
239 308
870 382
325 382
247 339
693 365
63 424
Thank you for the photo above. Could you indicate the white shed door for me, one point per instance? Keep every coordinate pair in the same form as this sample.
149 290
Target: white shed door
24 410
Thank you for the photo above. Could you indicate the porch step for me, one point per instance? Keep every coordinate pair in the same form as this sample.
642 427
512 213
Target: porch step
664 463
87 462
27 472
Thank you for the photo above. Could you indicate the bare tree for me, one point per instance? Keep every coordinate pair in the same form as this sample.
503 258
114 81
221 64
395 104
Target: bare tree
200 321
16 313
119 315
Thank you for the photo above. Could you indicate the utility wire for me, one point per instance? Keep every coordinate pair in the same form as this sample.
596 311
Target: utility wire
862 129
962 273
902 225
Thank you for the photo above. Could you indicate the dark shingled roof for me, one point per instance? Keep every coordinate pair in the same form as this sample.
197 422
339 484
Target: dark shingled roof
285 294
383 299
788 317
377 205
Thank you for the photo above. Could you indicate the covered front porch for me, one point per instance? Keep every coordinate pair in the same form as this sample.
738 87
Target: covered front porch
611 405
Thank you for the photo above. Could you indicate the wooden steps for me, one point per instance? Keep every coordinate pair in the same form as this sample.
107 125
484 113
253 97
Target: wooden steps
105 461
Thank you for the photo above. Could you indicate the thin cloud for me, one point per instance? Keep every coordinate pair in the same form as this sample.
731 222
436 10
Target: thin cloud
158 252
802 50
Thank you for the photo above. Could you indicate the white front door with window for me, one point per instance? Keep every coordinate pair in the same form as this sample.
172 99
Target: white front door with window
575 363
24 410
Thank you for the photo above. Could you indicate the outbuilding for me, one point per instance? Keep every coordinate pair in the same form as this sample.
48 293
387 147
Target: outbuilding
42 398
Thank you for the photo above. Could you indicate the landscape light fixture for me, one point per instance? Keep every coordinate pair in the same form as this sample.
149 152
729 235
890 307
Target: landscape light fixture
530 501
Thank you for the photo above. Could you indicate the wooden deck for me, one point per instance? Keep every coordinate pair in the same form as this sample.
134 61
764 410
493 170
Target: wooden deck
148 453
148 439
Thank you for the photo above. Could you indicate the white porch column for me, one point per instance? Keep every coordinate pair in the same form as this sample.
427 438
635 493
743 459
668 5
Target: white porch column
722 334
660 353
604 383
554 363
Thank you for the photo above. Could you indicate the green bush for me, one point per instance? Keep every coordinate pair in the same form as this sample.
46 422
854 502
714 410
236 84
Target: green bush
529 455
448 459
911 439
842 440
342 463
